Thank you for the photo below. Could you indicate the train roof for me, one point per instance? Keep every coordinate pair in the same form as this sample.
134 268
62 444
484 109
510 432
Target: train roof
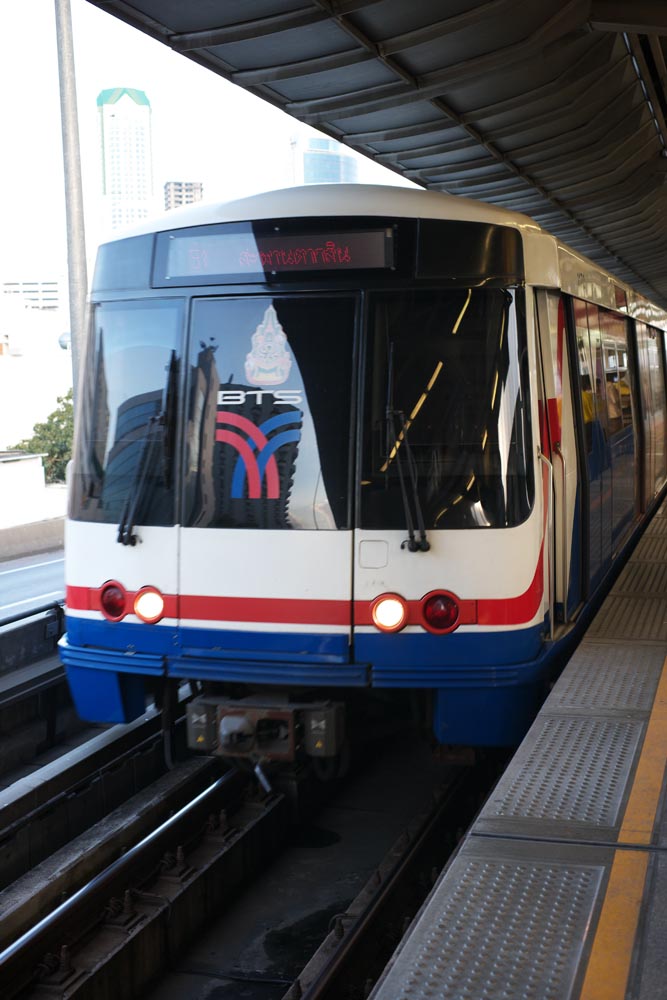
336 199
578 275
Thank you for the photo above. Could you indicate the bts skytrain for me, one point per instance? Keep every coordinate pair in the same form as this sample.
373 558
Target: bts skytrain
346 444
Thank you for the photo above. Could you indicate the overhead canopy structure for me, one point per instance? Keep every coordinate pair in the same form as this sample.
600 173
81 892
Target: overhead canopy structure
555 108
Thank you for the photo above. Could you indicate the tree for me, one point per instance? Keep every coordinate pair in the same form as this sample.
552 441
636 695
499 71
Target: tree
53 439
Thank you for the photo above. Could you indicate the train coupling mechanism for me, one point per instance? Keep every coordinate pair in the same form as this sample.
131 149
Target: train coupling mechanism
266 729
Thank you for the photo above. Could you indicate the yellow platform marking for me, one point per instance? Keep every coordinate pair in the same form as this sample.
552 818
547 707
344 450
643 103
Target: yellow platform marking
609 963
639 817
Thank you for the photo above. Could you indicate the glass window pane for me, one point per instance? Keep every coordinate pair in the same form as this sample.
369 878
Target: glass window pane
268 419
126 437
446 402
656 378
614 332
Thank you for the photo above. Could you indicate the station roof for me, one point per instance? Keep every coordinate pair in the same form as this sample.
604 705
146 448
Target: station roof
554 108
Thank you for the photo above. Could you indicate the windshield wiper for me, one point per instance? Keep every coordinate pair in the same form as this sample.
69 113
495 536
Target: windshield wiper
138 490
411 542
161 435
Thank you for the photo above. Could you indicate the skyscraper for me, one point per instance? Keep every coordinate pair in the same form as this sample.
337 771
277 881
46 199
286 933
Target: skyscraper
323 161
178 193
127 161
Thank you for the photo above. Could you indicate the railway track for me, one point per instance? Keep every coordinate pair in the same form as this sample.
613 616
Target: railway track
126 900
115 869
54 806
323 918
36 711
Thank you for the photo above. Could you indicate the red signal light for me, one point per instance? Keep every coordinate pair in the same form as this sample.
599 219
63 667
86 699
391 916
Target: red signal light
113 601
441 612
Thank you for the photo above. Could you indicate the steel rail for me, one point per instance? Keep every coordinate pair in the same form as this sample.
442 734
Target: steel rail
381 890
82 909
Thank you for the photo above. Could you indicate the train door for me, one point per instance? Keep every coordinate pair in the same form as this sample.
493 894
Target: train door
622 434
597 515
652 394
446 454
265 552
559 445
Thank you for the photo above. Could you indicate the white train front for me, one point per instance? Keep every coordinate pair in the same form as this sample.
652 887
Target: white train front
341 444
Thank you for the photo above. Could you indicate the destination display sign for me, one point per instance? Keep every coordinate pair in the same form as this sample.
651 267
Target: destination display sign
199 255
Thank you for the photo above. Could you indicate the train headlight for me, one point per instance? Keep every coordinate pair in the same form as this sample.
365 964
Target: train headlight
149 605
113 600
441 612
389 612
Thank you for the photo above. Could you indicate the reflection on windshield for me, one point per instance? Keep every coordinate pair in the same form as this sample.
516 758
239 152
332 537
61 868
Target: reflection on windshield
135 345
267 433
158 445
458 382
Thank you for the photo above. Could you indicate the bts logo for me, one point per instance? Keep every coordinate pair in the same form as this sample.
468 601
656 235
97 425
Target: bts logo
257 446
237 397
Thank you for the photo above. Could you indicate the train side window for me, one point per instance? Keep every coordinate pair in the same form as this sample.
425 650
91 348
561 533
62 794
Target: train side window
598 381
614 334
654 405
586 373
656 376
606 392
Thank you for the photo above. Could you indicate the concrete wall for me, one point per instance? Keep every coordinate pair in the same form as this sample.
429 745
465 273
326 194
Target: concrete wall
26 539
22 488
32 515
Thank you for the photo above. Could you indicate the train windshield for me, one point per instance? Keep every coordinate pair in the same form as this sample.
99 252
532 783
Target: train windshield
124 461
268 423
446 428
250 420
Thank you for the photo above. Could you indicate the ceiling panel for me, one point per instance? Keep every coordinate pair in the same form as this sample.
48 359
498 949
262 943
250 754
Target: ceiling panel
554 108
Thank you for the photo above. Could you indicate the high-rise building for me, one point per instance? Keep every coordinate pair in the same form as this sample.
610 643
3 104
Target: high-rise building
127 160
323 161
178 193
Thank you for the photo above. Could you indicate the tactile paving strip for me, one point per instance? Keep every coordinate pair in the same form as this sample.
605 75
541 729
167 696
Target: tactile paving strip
625 683
651 548
500 926
658 526
567 780
631 619
642 578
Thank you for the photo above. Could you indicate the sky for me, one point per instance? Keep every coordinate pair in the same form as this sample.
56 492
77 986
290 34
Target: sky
204 128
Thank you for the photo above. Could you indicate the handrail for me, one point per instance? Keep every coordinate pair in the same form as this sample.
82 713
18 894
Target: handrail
57 606
550 515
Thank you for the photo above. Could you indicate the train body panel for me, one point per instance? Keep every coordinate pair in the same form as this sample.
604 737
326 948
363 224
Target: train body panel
351 439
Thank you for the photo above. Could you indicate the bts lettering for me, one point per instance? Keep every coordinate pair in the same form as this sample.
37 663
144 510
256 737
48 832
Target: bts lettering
237 397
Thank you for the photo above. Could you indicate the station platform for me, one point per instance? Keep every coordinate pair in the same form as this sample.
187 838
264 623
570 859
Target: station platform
560 888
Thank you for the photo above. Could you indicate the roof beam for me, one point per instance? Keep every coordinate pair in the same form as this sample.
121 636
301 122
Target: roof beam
243 31
641 17
652 96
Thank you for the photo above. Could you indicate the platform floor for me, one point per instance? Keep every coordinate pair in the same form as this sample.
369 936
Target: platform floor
560 889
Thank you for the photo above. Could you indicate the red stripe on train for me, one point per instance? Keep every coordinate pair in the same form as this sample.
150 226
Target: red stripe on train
285 611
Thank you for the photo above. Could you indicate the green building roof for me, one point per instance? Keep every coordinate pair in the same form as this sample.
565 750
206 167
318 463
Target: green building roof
114 94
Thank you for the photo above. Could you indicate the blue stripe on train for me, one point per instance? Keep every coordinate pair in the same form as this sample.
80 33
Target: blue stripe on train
207 642
397 660
473 674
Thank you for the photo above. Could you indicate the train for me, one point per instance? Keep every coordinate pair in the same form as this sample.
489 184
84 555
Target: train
341 447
